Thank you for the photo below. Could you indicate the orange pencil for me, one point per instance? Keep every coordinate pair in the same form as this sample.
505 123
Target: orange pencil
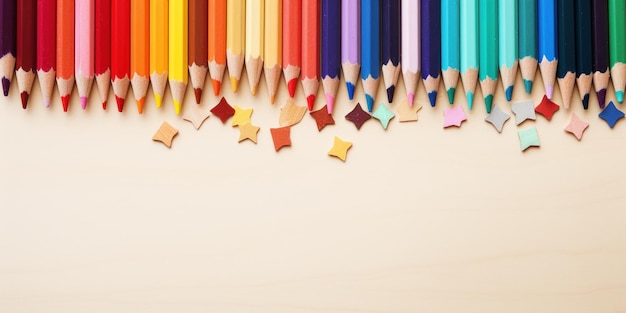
310 50
65 50
140 50
217 43
292 43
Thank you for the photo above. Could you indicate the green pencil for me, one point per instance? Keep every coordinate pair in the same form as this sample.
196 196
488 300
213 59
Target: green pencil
617 46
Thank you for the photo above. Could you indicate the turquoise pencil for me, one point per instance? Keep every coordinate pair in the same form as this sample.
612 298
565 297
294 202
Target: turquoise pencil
450 46
488 50
469 48
507 39
527 44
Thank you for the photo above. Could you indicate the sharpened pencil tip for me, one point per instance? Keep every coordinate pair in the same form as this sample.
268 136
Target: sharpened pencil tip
234 84
411 97
310 100
83 102
177 106
390 91
330 103
217 86
451 92
528 86
46 102
158 100
291 86
619 95
140 104
488 103
120 103
6 84
350 87
509 93
549 90
432 97
104 105
601 94
272 99
370 103
470 100
197 92
24 96
65 100
586 101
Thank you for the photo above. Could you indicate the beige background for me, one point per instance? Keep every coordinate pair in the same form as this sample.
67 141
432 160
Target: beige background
96 217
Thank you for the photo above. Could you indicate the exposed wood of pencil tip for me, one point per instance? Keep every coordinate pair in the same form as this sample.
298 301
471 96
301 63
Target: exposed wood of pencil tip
254 68
488 86
548 73
272 77
158 82
197 75
450 77
178 89
566 87
432 83
140 86
65 85
83 84
25 80
310 86
235 64
584 81
410 81
103 81
120 86
528 68
508 75
331 85
7 66
601 79
469 80
291 72
618 75
46 83
391 73
351 72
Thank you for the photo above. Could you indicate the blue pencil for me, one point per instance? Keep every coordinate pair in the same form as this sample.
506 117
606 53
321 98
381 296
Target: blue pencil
430 13
331 50
548 41
370 49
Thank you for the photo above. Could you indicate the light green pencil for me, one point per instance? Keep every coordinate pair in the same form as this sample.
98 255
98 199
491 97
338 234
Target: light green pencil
507 15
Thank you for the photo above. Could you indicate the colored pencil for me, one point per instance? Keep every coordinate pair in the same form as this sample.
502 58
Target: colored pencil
390 45
8 29
548 41
102 49
159 45
431 47
235 40
292 43
46 47
601 73
584 55
198 45
26 59
255 32
65 50
527 44
140 50
273 50
217 43
410 16
566 68
507 39
469 48
331 50
488 72
617 46
450 58
120 50
178 57
310 50
351 43
84 49
370 49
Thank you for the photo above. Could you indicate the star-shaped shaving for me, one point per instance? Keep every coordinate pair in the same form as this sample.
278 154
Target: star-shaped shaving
453 116
165 134
497 118
524 110
358 116
281 137
611 114
223 110
248 131
576 126
196 115
322 118
406 113
340 149
547 108
528 138
384 115
291 114
242 116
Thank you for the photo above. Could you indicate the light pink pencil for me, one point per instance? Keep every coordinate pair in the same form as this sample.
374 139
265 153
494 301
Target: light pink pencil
84 48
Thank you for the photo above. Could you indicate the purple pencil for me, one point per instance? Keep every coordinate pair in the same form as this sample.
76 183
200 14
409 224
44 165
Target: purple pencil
351 43
8 35
431 47
331 44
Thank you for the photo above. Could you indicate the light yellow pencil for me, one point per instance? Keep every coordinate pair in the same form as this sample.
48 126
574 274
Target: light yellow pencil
255 15
235 39
178 65
158 48
273 45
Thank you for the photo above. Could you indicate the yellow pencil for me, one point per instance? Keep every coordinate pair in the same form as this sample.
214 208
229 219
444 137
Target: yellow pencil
255 15
235 39
273 45
158 48
178 66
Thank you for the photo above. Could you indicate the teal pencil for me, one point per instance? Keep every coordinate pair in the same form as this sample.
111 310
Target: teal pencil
488 72
469 48
527 44
450 46
507 34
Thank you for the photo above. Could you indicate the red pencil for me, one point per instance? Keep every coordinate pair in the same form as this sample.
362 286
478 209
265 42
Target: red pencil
46 47
120 50
292 43
102 49
26 60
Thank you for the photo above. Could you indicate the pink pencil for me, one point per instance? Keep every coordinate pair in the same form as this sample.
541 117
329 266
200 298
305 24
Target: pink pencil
84 61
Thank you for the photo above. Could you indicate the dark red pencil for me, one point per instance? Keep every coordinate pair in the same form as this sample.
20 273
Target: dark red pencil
46 47
26 61
102 49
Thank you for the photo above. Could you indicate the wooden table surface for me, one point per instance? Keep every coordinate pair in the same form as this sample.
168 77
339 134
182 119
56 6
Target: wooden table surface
96 217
